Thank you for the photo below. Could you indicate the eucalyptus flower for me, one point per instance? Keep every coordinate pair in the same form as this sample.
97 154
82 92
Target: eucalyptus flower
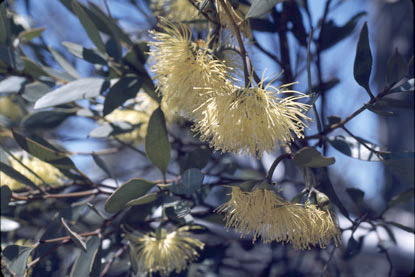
263 213
47 172
164 252
186 71
252 120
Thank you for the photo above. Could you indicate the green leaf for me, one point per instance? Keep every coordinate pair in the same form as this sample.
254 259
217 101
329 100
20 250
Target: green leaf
88 263
381 107
261 7
136 58
131 190
33 91
402 165
77 239
5 32
64 63
396 68
6 195
16 257
191 181
263 25
404 85
45 119
401 198
196 158
310 157
11 172
333 119
156 142
89 26
75 90
353 247
354 148
145 199
356 195
12 84
363 59
89 55
101 163
46 154
33 69
333 34
28 35
126 88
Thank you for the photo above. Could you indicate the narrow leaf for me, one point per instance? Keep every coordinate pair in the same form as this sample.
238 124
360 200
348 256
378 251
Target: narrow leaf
16 257
64 63
77 239
89 55
403 197
28 35
6 195
89 26
396 68
75 90
86 261
12 173
261 7
46 154
156 142
45 119
145 199
126 88
356 195
363 59
131 190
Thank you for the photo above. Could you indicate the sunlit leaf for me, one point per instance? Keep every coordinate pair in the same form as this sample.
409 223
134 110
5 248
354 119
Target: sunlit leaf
28 35
261 7
16 257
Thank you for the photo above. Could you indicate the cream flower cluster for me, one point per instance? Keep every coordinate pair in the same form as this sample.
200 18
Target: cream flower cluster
265 214
243 120
168 252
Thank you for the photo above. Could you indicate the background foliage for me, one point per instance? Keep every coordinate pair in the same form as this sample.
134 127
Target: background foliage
65 64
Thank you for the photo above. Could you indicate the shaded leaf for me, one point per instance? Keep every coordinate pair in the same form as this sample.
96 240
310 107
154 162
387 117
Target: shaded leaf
396 68
356 195
34 91
380 107
89 26
75 90
156 142
12 173
6 195
88 263
263 25
131 190
45 119
197 158
404 85
353 247
101 163
260 7
354 148
77 239
333 34
145 199
28 35
363 59
310 157
126 88
401 164
297 23
46 154
401 198
16 257
333 119
89 55
33 69
191 181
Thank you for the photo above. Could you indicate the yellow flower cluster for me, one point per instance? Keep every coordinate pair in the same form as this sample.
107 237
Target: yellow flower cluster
248 121
264 214
171 251
176 10
47 172
187 72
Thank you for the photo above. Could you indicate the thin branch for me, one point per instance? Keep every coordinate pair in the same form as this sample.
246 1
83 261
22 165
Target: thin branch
274 166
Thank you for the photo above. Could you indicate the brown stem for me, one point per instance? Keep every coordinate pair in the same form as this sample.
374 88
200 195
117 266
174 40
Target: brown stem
274 166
